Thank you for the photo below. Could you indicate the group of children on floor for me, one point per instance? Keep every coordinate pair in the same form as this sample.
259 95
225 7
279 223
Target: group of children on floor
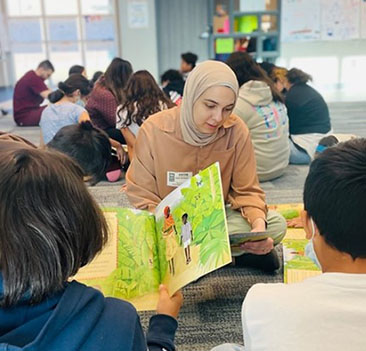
286 117
50 221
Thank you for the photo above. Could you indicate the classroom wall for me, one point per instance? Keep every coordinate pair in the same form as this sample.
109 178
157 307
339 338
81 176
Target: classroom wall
338 67
179 25
139 45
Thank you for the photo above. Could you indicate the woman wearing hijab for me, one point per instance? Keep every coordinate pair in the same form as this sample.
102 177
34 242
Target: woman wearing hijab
189 138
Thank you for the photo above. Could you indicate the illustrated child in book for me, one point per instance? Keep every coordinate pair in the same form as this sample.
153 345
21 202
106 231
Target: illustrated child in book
169 232
186 237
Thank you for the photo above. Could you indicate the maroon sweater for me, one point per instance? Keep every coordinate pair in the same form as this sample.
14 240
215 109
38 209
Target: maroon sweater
102 106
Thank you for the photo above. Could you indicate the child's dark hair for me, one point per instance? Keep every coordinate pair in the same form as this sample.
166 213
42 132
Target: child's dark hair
246 69
96 76
143 98
50 224
171 75
185 215
115 77
190 58
76 69
297 76
87 145
69 86
335 193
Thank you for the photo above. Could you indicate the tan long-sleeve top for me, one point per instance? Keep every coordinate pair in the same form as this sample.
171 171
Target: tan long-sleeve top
160 149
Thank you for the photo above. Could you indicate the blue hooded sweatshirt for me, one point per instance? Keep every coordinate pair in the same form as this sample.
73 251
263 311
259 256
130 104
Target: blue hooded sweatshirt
81 318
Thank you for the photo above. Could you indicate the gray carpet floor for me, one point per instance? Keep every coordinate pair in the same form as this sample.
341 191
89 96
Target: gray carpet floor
212 306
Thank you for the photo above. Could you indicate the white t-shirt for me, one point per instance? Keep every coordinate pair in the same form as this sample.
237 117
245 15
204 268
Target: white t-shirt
133 127
186 232
325 313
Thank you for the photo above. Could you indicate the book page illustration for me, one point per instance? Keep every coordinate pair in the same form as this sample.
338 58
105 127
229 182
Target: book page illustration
135 276
297 266
106 262
192 231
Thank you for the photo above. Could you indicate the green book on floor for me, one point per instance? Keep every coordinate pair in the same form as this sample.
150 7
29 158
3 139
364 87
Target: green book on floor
183 240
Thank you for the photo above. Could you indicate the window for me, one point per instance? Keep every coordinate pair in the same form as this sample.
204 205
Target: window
67 32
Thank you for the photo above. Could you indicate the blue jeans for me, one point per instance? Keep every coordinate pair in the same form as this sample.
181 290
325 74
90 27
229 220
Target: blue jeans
298 156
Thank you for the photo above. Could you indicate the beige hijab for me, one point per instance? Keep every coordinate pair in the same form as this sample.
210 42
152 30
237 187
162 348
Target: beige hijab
205 75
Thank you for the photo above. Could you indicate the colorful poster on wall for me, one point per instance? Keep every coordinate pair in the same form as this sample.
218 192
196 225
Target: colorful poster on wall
300 20
340 19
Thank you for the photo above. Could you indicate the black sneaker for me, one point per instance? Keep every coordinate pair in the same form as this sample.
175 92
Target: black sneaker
268 263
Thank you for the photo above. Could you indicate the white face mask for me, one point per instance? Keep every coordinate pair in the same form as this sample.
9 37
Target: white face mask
309 249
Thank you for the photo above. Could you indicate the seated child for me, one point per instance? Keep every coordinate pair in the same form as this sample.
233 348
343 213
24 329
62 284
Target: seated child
143 98
326 312
87 145
64 108
50 227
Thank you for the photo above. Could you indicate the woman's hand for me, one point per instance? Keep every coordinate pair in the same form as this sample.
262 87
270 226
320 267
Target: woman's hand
260 247
121 154
169 305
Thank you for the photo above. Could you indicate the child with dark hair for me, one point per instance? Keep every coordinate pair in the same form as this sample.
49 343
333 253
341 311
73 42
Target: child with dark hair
96 76
78 69
261 106
64 109
188 62
308 116
173 85
332 140
143 98
51 227
88 146
107 94
326 312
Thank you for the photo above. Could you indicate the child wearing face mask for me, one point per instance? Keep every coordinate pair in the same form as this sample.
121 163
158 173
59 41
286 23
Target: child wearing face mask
326 312
64 108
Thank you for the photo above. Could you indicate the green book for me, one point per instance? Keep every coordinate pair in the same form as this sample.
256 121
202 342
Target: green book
183 240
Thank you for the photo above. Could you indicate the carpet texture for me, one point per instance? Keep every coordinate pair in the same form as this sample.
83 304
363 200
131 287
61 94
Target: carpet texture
211 313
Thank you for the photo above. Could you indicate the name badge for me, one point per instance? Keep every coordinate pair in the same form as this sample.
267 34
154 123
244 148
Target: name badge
177 178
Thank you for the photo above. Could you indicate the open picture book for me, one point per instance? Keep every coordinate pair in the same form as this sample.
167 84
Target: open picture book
183 240
296 265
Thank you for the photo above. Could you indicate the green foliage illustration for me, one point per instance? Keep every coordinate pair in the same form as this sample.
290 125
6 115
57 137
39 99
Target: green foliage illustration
290 213
138 262
299 261
203 203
